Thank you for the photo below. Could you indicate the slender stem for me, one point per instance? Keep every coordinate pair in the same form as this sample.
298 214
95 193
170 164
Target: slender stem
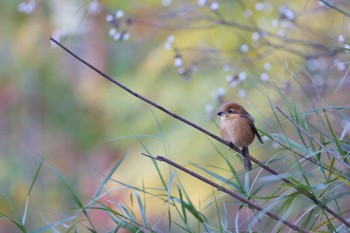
147 100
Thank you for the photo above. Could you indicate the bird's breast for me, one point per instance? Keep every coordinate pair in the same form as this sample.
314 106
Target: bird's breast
237 130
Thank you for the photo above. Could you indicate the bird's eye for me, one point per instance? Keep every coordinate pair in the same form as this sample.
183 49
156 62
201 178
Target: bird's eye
230 111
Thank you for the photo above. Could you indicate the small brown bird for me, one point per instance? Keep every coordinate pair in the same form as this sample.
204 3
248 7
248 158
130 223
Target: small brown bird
237 126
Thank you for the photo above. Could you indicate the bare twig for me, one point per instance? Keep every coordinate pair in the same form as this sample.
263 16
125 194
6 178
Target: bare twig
147 100
262 165
229 192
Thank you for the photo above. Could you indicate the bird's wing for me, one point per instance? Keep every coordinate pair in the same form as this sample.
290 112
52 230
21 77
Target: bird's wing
252 126
256 132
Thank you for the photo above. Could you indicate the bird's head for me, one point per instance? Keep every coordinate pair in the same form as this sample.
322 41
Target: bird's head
232 109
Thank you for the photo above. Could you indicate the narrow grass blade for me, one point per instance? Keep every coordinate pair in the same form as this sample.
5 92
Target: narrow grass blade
335 138
334 7
108 177
74 195
189 206
24 218
52 226
184 215
142 208
220 178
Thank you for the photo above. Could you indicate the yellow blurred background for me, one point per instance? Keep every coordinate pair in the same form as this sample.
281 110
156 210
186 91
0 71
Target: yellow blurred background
54 108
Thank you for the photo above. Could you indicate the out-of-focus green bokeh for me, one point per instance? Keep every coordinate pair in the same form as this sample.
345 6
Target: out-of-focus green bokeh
54 108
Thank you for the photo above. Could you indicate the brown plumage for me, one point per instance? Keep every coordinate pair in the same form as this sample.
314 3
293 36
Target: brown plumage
237 126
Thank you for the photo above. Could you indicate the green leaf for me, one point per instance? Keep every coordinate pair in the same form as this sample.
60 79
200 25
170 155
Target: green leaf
335 138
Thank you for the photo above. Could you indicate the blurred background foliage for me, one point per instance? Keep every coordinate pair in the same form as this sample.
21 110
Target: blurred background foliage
188 56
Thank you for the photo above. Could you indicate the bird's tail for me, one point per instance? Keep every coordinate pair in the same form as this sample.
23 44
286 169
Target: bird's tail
247 163
246 160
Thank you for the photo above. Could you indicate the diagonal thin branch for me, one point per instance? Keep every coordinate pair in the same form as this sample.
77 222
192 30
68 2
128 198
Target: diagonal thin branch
146 99
229 192
262 165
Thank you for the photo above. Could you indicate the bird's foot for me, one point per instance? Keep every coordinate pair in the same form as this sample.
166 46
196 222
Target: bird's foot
231 146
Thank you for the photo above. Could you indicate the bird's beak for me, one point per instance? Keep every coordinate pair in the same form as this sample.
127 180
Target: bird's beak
220 113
